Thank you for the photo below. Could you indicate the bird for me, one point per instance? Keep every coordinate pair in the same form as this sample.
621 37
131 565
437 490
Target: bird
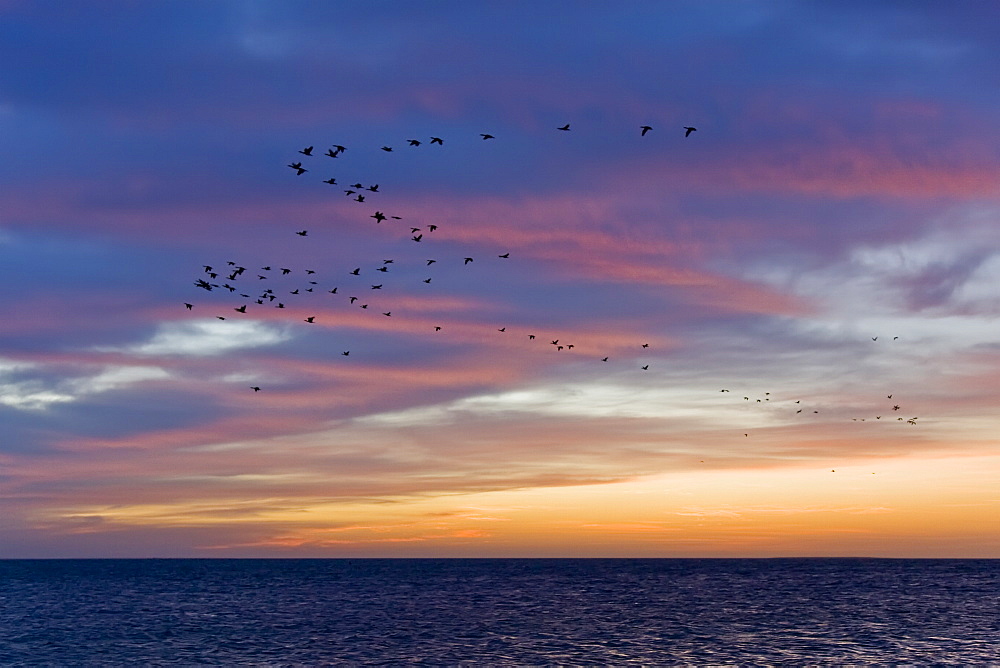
308 150
427 280
378 216
688 130
383 269
437 328
645 368
188 306
874 338
430 262
330 152
502 329
645 345
387 149
302 233
564 128
310 319
387 313
486 136
299 169
645 129
531 337
340 149
346 353
723 390
604 359
505 255
467 260
377 287
359 198
437 140
255 388
331 181
414 142
356 271
419 237
332 292
895 407
242 309
285 272
373 188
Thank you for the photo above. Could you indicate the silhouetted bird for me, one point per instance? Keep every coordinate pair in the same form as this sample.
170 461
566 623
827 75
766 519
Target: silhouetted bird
688 130
242 309
387 149
467 260
299 169
645 129
487 136
356 272
302 233
378 216
310 319
346 353
437 140
255 388
414 142
308 150
565 127
188 306
505 255
330 152
331 181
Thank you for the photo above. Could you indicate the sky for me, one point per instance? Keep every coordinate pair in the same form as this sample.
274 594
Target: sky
776 335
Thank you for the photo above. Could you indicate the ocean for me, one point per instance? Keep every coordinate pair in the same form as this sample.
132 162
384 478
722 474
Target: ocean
499 612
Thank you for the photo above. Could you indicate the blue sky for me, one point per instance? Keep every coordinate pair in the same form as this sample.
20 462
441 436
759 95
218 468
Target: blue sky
826 238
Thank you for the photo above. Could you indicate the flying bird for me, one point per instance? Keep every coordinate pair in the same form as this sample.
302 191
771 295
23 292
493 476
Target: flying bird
299 169
487 136
437 140
302 233
564 128
467 260
688 130
645 129
188 306
308 150
387 149
255 388
310 319
414 142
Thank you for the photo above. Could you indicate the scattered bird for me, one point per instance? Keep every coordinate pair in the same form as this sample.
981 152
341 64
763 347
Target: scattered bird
310 319
255 388
645 129
487 136
688 130
302 233
188 306
564 128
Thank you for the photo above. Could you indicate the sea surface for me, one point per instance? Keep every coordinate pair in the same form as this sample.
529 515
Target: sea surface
499 612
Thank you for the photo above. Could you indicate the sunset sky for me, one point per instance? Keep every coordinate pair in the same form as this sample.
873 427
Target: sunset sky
828 236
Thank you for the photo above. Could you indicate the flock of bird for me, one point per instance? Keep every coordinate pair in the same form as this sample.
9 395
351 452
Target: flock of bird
270 290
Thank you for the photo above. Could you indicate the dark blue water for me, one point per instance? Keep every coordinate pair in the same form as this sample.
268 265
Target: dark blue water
500 612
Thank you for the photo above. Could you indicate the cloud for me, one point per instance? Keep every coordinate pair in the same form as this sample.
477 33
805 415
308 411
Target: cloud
205 338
